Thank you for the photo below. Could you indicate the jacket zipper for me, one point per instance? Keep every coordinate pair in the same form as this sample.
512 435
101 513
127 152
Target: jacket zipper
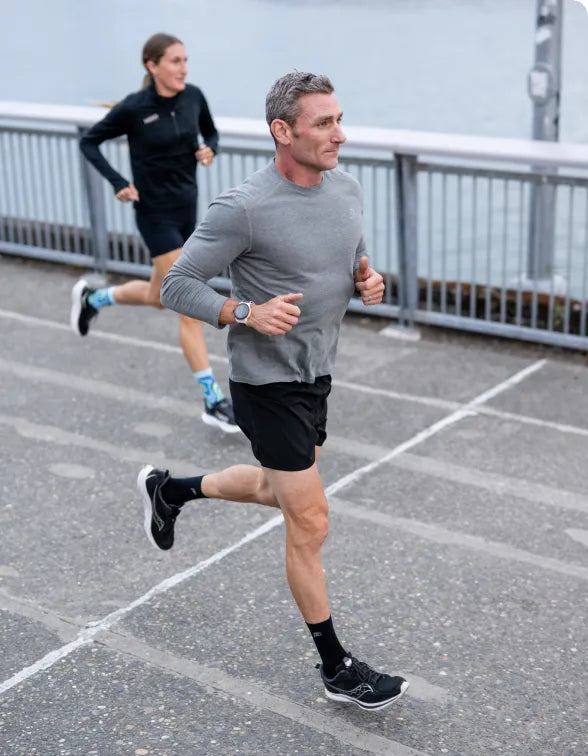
173 115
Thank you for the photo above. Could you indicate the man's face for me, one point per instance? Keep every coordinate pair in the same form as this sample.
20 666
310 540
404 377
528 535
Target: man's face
316 136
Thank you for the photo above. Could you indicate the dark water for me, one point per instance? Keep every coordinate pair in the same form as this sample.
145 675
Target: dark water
439 65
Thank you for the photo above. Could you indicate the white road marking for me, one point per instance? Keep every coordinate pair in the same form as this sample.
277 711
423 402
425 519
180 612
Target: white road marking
107 622
445 422
439 534
578 535
256 694
499 484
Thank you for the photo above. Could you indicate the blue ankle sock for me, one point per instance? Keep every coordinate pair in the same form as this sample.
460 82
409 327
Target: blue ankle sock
102 298
212 391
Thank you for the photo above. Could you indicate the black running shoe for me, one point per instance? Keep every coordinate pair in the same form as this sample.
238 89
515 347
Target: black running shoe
82 311
221 415
159 515
356 682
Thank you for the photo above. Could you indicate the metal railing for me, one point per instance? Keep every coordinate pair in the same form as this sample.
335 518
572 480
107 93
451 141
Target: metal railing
448 218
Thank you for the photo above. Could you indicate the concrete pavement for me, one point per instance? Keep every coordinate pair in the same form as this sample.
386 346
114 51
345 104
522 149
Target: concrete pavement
457 556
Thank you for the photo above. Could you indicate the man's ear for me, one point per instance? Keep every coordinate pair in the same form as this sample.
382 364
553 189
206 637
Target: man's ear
281 131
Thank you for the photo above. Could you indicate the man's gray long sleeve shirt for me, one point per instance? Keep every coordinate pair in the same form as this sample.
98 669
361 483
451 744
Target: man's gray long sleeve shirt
275 237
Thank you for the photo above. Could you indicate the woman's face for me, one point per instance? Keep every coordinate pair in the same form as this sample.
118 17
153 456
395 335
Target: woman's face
170 72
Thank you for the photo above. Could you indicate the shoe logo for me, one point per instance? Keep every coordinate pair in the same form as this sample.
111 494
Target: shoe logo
361 690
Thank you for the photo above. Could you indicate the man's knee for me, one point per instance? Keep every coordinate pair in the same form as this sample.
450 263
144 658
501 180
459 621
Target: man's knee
308 528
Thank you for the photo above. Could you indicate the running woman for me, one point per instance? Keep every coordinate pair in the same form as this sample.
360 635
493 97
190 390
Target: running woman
163 123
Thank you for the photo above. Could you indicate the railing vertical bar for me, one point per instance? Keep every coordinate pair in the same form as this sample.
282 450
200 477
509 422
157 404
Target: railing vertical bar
71 147
584 271
519 277
54 223
567 303
29 190
474 245
17 189
8 195
444 245
64 195
42 186
487 308
504 252
534 187
388 234
459 245
551 304
374 244
3 198
429 240
38 185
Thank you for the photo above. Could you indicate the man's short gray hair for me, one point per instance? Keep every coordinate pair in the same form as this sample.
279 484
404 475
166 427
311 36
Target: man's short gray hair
282 99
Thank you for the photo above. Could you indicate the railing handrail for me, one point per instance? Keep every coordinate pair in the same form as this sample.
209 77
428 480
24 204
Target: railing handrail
404 142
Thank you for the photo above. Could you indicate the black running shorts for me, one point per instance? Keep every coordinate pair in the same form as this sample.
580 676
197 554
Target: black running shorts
166 230
283 421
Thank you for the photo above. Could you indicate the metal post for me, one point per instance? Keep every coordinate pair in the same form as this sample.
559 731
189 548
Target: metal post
407 232
94 185
544 89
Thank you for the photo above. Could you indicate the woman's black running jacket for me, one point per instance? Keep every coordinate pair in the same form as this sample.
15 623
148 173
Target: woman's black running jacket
163 135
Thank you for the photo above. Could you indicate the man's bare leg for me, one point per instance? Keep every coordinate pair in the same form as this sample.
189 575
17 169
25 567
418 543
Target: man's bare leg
304 505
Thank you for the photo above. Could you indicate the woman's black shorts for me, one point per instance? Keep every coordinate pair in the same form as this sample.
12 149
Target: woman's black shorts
166 230
283 421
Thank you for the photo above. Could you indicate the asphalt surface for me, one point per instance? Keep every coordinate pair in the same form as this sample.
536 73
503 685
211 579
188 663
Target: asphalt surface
457 555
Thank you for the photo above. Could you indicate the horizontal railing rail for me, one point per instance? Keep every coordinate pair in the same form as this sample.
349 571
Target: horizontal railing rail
454 223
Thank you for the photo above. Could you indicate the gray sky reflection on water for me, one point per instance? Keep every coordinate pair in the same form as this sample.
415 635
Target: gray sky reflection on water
439 65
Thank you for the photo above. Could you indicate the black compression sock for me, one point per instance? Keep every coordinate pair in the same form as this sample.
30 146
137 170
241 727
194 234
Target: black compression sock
327 644
178 491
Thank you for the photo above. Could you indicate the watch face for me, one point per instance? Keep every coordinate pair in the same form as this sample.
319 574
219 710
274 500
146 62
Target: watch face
241 311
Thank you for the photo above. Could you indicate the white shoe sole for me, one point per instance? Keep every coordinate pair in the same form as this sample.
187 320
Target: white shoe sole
225 427
367 707
76 305
142 486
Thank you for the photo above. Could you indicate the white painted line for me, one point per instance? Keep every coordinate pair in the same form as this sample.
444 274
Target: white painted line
429 401
356 387
90 632
257 695
104 335
68 629
439 534
54 435
502 485
432 430
526 420
87 635
578 535
190 409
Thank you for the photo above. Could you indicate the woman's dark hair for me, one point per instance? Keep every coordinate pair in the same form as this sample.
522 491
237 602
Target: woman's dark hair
154 49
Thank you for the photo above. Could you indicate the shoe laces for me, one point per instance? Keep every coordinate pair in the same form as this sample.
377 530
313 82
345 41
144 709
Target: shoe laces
363 671
174 511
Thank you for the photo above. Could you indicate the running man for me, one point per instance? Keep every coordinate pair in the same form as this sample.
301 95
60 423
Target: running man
292 236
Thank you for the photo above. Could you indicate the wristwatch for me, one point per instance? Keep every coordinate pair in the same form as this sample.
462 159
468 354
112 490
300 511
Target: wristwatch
242 312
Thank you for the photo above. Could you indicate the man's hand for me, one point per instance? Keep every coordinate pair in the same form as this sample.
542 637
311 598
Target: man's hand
128 194
277 316
369 283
